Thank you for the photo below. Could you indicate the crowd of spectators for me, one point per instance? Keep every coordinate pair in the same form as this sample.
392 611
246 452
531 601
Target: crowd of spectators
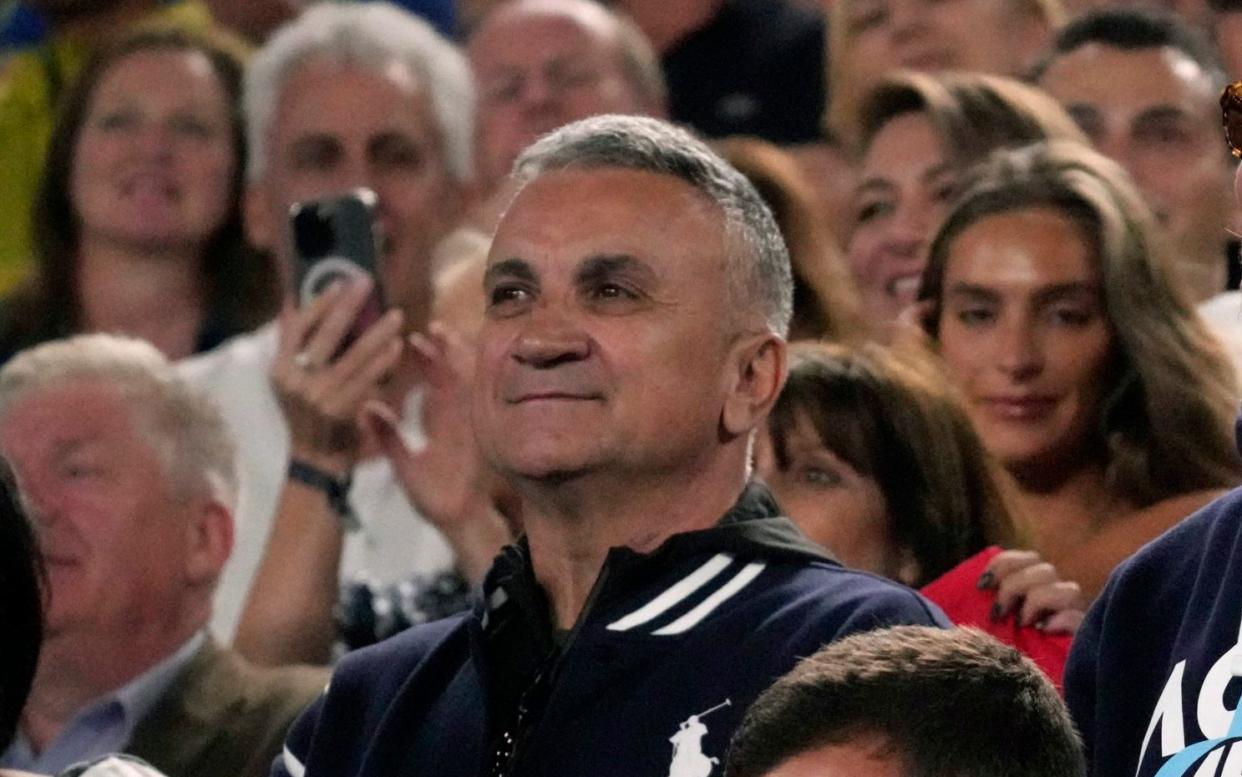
712 387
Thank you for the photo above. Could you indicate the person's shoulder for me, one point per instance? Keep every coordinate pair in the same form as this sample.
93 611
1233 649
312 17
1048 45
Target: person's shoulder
828 591
1216 527
388 663
365 685
294 685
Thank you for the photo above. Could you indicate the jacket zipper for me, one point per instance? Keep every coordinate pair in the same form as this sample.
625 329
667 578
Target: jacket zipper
519 733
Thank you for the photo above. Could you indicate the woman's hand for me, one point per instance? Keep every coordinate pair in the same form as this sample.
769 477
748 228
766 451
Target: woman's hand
321 392
1031 589
445 481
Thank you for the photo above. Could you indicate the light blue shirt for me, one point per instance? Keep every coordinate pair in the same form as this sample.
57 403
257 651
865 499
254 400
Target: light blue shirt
106 724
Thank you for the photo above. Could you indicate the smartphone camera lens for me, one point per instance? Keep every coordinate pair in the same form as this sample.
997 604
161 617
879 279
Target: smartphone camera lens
313 233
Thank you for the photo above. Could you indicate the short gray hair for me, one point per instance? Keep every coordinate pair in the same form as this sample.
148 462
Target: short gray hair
757 262
370 35
186 431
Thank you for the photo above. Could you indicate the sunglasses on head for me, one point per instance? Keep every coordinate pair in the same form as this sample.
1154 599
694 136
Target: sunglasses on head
1231 107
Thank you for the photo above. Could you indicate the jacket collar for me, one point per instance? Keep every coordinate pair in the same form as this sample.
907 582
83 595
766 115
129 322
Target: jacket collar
753 527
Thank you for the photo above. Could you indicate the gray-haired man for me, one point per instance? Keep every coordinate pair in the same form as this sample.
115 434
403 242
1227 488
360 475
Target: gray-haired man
129 475
637 295
346 96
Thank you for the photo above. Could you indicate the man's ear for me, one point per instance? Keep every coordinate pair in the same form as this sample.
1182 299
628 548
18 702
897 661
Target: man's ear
209 540
758 372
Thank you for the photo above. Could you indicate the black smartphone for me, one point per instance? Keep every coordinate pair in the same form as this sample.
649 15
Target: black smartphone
336 238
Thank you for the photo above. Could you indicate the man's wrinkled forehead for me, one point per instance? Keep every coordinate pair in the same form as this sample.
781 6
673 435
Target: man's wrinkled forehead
539 198
581 17
300 110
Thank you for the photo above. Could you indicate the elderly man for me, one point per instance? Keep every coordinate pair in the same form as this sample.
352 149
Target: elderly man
129 475
637 292
910 701
346 96
540 64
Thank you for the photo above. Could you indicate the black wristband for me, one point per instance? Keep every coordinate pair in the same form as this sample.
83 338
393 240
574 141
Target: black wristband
336 489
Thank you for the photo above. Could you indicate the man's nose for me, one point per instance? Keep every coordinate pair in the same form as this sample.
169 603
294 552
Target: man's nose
551 339
537 91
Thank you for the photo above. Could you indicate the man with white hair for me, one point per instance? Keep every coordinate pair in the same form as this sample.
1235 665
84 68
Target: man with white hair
638 293
540 64
345 96
128 474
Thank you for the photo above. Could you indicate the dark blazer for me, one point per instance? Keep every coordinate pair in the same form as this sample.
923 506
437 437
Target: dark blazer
224 717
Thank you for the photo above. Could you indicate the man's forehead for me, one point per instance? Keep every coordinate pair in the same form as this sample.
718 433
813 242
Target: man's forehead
65 411
576 20
1154 74
317 88
612 201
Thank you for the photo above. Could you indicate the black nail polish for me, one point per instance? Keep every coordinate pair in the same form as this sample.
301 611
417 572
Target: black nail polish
986 580
996 612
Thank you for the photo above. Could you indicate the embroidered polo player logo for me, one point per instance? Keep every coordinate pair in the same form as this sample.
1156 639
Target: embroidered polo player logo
688 757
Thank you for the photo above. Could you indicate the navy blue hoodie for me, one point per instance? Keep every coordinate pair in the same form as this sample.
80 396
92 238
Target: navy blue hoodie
1155 672
669 651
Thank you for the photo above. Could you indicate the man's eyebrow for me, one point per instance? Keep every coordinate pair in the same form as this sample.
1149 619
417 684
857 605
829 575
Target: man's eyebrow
604 266
971 291
1161 113
313 140
509 268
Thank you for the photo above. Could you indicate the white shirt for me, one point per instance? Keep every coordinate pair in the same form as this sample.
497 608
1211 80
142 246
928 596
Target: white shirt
1223 316
394 542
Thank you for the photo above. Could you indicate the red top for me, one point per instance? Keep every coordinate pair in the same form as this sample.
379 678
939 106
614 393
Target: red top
957 593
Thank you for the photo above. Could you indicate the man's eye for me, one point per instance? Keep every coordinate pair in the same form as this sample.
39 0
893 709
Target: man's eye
1164 134
614 291
868 19
399 156
974 316
79 469
502 295
315 158
503 91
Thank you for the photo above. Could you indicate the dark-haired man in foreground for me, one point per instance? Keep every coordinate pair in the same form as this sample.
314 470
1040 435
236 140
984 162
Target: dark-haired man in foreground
909 701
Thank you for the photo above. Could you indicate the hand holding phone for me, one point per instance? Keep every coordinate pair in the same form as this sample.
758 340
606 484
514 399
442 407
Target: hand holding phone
335 240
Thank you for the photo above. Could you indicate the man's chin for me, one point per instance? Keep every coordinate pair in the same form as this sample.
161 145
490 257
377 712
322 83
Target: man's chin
543 471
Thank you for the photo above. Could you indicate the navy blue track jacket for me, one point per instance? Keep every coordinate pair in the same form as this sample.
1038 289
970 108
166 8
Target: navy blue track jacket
669 651
1154 676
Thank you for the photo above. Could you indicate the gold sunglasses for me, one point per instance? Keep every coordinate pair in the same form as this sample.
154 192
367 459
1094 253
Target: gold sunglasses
1231 107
